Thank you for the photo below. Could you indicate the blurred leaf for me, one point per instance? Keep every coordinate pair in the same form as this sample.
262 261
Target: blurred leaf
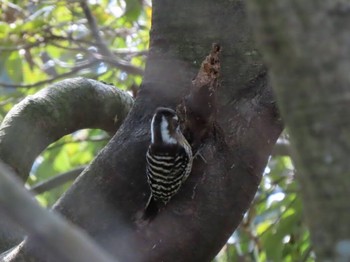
133 9
42 200
14 65
272 245
62 13
4 31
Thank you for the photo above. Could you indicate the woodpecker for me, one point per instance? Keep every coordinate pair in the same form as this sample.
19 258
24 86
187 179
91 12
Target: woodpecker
169 159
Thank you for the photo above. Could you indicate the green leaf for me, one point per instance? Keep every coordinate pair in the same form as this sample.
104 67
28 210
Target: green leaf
14 67
4 31
133 9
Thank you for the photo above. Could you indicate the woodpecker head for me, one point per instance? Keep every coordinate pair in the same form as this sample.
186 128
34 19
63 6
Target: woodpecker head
165 127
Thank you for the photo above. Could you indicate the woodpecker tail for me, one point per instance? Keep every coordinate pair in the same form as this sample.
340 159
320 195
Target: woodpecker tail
151 209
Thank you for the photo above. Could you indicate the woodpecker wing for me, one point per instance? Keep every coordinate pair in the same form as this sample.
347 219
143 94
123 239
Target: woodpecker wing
166 170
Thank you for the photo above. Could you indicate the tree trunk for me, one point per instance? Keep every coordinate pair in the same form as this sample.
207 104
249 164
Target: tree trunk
306 45
108 198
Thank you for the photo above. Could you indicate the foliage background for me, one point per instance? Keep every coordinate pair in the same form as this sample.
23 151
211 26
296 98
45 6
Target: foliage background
42 42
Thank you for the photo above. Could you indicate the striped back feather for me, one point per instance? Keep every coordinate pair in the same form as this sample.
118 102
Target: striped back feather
167 170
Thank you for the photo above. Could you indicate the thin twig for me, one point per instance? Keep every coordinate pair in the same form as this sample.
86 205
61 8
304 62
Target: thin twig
50 80
19 47
126 52
95 30
123 65
278 218
77 49
105 54
56 181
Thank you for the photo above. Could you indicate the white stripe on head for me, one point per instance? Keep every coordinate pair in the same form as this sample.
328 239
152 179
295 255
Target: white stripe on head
164 131
152 130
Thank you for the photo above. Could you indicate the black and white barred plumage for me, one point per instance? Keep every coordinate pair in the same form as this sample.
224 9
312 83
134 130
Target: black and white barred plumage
169 159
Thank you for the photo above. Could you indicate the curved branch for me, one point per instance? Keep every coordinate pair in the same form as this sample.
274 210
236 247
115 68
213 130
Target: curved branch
67 106
43 118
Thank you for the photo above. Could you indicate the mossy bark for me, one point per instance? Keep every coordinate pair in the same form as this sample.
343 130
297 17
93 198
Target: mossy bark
307 48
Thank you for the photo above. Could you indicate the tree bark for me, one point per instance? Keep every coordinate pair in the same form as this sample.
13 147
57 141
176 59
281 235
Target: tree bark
108 198
306 45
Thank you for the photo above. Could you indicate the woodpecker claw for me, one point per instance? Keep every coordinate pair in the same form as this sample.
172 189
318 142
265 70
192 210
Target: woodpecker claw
198 154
